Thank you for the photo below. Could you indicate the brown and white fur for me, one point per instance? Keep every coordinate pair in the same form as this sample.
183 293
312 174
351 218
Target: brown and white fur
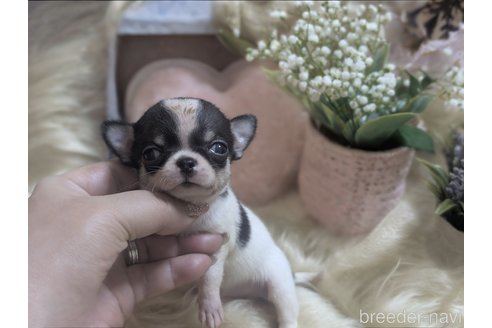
184 148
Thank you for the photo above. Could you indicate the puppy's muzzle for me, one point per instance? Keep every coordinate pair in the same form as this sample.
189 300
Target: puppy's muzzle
187 166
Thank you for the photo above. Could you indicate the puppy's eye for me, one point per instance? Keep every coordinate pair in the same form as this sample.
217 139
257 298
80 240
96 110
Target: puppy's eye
151 154
218 148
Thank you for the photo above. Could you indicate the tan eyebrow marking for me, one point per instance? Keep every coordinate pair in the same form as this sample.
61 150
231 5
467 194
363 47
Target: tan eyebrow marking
209 135
159 140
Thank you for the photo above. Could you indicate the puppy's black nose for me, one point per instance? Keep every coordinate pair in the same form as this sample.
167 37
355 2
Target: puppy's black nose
186 165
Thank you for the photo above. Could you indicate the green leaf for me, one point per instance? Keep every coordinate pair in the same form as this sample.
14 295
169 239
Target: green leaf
336 124
414 88
439 175
436 190
415 138
348 132
379 59
319 116
374 133
419 103
445 206
426 81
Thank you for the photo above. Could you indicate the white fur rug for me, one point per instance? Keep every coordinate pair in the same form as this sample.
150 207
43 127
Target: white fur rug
407 273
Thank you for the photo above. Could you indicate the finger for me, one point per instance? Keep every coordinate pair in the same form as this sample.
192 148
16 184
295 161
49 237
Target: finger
104 178
140 213
156 248
151 279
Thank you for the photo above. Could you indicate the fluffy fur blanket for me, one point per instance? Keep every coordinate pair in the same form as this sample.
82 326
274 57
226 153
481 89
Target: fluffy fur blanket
407 272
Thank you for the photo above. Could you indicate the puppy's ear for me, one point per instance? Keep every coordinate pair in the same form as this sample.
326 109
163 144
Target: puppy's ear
119 138
243 130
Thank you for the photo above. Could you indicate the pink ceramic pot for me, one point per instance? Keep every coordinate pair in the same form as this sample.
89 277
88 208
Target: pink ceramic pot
349 190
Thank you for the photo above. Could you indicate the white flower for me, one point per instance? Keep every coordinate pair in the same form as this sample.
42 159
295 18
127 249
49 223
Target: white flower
316 82
335 72
304 76
325 50
359 65
351 36
313 94
313 37
389 79
327 81
292 60
303 85
343 43
370 107
293 39
261 45
337 83
283 65
249 57
274 45
362 100
453 103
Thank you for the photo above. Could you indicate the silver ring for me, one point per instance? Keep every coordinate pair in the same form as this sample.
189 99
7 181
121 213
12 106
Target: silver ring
131 253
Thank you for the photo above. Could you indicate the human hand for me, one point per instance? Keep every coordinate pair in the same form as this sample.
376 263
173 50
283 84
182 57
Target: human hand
79 224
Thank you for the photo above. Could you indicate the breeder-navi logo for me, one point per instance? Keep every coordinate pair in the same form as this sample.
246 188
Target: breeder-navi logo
410 318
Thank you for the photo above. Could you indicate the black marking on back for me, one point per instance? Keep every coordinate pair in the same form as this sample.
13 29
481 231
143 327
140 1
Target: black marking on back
244 227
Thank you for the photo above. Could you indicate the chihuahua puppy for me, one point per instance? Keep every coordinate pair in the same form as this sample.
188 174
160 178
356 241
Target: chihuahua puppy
184 147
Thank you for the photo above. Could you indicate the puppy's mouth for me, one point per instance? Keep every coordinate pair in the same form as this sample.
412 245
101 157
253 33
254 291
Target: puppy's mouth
189 184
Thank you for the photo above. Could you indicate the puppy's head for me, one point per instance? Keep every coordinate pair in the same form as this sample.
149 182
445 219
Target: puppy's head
182 146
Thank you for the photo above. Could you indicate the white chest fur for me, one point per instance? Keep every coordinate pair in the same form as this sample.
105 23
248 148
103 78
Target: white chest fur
248 264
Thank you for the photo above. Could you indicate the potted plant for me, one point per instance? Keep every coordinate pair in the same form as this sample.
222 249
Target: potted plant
448 184
364 111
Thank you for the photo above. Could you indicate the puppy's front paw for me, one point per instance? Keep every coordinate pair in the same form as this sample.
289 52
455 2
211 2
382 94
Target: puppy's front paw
211 313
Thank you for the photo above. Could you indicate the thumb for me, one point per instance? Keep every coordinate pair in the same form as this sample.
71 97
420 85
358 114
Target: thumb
140 213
